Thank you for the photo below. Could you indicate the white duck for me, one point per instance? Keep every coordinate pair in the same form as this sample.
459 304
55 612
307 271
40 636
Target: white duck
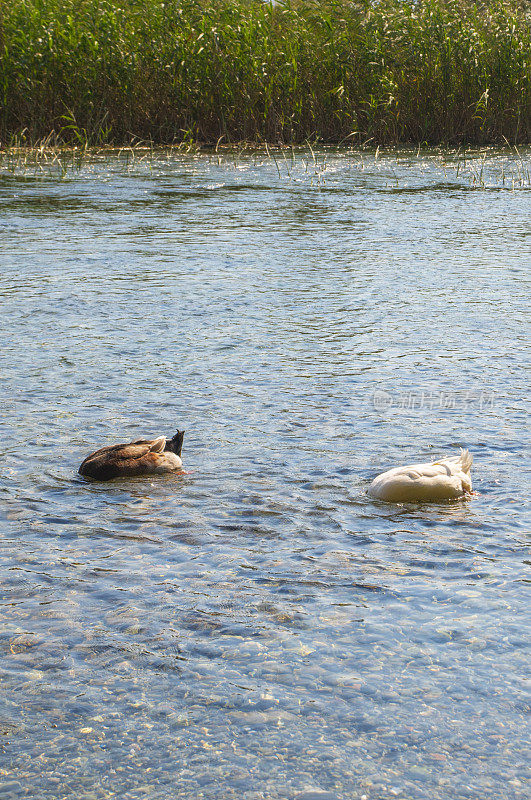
446 479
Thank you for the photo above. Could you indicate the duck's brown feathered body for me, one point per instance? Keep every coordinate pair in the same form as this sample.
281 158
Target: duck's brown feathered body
142 457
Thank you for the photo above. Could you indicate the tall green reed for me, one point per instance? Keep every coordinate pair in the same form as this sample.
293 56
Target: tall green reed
101 71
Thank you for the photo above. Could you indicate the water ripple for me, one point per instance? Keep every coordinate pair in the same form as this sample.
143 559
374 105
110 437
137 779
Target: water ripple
259 627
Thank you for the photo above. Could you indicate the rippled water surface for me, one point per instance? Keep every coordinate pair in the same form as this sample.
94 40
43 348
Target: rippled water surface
258 628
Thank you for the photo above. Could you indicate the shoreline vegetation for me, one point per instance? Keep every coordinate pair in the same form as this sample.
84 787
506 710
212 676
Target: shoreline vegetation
489 167
210 72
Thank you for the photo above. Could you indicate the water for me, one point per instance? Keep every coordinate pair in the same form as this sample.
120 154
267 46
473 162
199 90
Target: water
259 628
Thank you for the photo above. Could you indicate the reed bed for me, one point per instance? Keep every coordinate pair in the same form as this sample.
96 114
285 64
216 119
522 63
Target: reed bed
95 72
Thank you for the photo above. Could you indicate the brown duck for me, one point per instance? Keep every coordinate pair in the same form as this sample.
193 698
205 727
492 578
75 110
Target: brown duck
142 457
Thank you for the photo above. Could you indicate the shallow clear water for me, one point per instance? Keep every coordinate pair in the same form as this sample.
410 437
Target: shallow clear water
259 628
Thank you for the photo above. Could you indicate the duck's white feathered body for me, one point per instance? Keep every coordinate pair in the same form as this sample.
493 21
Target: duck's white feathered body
446 479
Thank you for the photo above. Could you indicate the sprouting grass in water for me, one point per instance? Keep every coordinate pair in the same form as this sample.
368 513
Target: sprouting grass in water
102 71
394 169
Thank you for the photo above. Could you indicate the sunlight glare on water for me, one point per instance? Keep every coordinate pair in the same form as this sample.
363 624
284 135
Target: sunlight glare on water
259 628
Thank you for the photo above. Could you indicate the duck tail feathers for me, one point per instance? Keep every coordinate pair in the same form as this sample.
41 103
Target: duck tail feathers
463 460
175 444
466 460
